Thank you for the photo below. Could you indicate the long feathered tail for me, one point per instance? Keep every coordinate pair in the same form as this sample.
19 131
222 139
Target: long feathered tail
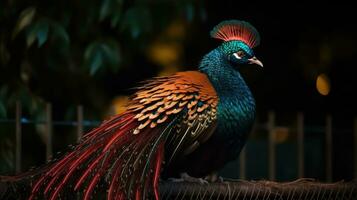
110 158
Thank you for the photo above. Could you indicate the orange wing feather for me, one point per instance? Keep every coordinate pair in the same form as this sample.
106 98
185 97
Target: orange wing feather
162 97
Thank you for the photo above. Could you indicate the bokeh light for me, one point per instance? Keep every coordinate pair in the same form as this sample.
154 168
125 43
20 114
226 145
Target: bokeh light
323 84
119 104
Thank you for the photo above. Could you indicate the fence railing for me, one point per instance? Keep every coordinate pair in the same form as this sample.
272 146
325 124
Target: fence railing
270 126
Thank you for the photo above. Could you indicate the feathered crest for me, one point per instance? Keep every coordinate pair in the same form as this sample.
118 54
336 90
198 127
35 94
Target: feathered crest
236 30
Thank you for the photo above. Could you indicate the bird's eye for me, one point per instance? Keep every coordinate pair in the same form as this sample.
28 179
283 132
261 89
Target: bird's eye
239 54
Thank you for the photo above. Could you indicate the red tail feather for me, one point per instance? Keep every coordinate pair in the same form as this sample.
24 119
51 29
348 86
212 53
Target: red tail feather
111 154
159 158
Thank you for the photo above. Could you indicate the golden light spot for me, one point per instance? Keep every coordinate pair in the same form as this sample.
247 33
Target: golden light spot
323 84
164 53
281 134
119 104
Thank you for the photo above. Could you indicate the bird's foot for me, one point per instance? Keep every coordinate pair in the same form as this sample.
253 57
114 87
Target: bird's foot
187 178
214 178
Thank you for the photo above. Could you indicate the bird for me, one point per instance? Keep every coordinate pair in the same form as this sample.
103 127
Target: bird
186 125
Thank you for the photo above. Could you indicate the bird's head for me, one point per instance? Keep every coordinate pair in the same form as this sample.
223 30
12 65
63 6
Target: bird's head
239 39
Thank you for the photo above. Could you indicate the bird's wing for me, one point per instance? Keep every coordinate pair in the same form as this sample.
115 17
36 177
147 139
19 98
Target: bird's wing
186 95
124 155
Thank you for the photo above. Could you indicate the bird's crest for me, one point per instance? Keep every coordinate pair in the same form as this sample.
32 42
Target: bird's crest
236 30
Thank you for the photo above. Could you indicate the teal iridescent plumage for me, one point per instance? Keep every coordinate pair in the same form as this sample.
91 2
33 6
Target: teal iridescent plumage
236 108
231 47
236 105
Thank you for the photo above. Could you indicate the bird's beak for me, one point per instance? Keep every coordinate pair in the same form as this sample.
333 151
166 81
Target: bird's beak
254 60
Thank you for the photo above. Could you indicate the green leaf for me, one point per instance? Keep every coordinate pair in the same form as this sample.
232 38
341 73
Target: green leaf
42 34
93 57
96 62
111 9
105 9
2 110
137 20
102 54
60 32
38 31
31 37
24 20
89 50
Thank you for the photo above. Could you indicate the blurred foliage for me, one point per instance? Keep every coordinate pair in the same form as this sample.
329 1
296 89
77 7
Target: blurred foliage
69 52
63 51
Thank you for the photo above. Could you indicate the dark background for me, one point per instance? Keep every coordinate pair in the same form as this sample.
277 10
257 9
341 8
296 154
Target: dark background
300 41
93 52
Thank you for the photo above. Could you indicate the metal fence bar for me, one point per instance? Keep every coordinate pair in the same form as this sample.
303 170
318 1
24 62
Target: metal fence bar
300 144
355 146
48 131
271 145
79 122
18 136
243 154
242 164
328 148
270 126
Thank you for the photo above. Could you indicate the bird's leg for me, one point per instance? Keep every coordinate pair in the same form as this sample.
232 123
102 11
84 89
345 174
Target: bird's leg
214 178
185 177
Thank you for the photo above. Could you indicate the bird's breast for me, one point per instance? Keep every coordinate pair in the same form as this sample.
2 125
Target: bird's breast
235 116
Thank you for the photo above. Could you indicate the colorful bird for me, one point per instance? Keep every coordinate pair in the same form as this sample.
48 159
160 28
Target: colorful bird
191 124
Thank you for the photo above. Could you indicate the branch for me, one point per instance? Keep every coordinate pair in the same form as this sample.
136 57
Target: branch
232 190
262 190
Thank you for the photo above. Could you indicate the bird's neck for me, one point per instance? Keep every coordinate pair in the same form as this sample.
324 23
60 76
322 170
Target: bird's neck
236 107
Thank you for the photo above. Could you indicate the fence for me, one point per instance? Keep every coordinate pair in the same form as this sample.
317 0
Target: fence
270 127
